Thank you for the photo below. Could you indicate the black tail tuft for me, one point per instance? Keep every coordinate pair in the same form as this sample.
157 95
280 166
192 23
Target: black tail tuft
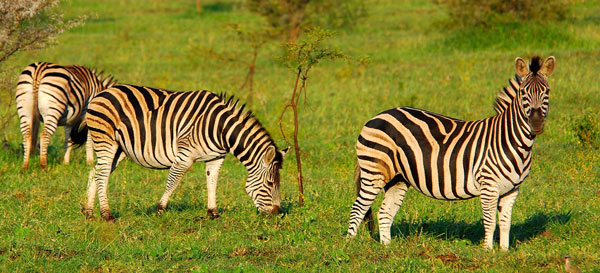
79 133
369 214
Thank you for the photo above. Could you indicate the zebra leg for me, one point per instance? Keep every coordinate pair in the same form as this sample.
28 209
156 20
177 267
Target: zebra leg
176 172
108 158
29 130
391 203
68 145
50 125
88 209
212 174
505 212
28 116
489 204
89 151
364 200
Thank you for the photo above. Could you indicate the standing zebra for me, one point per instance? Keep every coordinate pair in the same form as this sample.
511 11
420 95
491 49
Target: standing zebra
451 159
164 129
57 95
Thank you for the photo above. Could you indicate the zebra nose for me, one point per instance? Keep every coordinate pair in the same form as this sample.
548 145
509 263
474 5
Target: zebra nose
536 121
275 209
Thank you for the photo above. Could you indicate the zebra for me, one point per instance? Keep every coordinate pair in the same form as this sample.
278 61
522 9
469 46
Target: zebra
58 96
451 159
162 129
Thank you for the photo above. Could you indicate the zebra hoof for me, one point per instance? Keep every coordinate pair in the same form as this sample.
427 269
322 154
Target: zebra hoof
88 213
109 218
43 165
159 209
213 214
25 166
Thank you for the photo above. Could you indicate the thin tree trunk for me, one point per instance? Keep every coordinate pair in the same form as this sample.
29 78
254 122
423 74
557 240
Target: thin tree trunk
199 6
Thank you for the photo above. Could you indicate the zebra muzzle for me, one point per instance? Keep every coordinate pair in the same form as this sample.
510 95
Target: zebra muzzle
536 121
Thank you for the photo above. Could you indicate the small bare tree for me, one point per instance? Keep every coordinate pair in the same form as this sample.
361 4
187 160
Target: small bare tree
254 37
301 57
26 24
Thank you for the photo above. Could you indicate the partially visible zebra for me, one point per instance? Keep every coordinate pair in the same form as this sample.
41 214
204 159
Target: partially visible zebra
164 129
451 159
58 96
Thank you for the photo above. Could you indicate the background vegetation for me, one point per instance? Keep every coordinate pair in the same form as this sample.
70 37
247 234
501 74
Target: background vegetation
418 57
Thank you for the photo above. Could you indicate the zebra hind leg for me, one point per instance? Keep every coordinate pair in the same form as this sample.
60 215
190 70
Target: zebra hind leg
50 125
88 208
366 195
178 169
68 145
392 201
89 150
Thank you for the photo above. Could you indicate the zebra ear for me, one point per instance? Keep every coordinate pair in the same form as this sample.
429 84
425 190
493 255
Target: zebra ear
521 67
269 155
284 151
548 66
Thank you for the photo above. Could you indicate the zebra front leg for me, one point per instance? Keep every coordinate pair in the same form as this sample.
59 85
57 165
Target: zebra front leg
366 195
489 203
504 213
176 172
212 174
68 145
391 203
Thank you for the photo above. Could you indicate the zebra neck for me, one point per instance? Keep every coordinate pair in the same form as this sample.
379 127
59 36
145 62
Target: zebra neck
515 128
247 140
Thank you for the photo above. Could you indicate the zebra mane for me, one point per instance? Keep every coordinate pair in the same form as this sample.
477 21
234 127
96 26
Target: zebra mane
107 81
244 114
507 94
535 65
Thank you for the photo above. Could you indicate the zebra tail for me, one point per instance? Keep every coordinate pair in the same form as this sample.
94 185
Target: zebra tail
79 132
369 215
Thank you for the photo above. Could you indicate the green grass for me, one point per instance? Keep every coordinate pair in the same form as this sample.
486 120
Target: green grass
412 62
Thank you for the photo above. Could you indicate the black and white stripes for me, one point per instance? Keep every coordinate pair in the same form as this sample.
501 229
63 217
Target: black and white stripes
57 95
164 129
451 159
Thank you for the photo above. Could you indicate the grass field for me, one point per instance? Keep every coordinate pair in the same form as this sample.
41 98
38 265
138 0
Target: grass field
414 61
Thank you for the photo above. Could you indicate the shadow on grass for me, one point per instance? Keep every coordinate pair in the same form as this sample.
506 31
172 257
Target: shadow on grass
532 227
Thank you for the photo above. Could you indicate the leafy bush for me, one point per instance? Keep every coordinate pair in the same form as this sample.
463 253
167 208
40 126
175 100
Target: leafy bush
587 130
465 13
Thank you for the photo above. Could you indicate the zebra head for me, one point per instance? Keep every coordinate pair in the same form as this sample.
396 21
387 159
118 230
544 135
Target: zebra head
263 180
534 90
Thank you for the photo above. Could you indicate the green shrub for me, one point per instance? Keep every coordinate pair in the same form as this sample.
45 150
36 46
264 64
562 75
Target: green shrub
587 130
465 13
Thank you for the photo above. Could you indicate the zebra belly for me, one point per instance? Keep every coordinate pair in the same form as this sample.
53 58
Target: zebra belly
446 190
141 150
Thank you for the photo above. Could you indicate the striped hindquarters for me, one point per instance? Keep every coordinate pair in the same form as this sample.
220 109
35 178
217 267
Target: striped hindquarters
435 154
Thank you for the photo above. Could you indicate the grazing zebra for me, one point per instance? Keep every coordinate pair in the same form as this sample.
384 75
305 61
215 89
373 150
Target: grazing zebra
58 95
451 159
163 129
